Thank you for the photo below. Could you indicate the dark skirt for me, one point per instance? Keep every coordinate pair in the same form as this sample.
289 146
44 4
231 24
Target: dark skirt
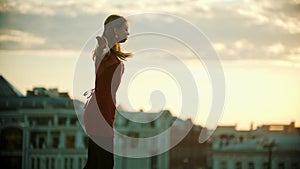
99 127
99 158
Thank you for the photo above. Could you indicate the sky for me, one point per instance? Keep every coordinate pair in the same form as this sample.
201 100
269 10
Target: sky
257 43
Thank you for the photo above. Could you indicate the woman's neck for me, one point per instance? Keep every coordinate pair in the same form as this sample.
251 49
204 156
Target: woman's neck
111 41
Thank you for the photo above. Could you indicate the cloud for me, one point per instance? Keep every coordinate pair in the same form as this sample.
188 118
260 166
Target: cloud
284 14
238 29
276 49
52 32
238 49
254 14
90 7
243 44
243 49
294 54
20 38
220 46
27 7
288 23
41 52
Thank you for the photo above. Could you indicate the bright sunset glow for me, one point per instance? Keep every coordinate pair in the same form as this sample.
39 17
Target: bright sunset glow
258 44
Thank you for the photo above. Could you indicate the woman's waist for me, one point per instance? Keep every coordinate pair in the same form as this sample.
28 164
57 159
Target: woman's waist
106 91
105 94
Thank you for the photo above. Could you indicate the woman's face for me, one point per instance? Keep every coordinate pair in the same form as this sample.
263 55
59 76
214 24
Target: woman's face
122 33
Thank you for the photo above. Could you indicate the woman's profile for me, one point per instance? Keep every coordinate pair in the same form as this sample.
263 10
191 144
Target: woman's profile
100 112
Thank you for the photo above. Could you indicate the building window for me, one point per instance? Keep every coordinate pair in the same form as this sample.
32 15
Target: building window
74 121
11 139
241 139
238 165
47 163
223 165
223 140
50 163
152 124
70 142
80 163
86 141
42 121
38 139
250 165
154 162
55 139
11 161
294 166
32 163
281 165
71 162
38 162
66 163
133 143
53 163
62 121
126 123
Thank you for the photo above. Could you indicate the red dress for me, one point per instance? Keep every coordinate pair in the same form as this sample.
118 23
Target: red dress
100 114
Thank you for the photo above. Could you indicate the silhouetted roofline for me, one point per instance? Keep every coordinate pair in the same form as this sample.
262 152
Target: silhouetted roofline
7 89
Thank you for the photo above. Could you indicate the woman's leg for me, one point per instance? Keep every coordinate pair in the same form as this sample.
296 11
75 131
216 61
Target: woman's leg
91 160
99 158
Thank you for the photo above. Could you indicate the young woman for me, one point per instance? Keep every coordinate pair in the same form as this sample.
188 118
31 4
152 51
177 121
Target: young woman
100 113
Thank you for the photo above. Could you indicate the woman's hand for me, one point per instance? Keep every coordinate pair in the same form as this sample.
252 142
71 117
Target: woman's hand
102 42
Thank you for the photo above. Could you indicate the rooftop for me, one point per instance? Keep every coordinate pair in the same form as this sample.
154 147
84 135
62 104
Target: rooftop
8 90
39 97
282 142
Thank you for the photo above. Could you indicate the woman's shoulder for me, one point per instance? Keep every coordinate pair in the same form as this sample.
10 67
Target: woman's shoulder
108 60
113 58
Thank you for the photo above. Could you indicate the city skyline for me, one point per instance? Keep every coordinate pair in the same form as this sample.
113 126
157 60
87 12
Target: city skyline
41 130
257 43
56 91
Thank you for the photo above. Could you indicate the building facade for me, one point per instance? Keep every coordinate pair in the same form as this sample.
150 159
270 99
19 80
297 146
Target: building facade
189 153
40 130
269 146
143 126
